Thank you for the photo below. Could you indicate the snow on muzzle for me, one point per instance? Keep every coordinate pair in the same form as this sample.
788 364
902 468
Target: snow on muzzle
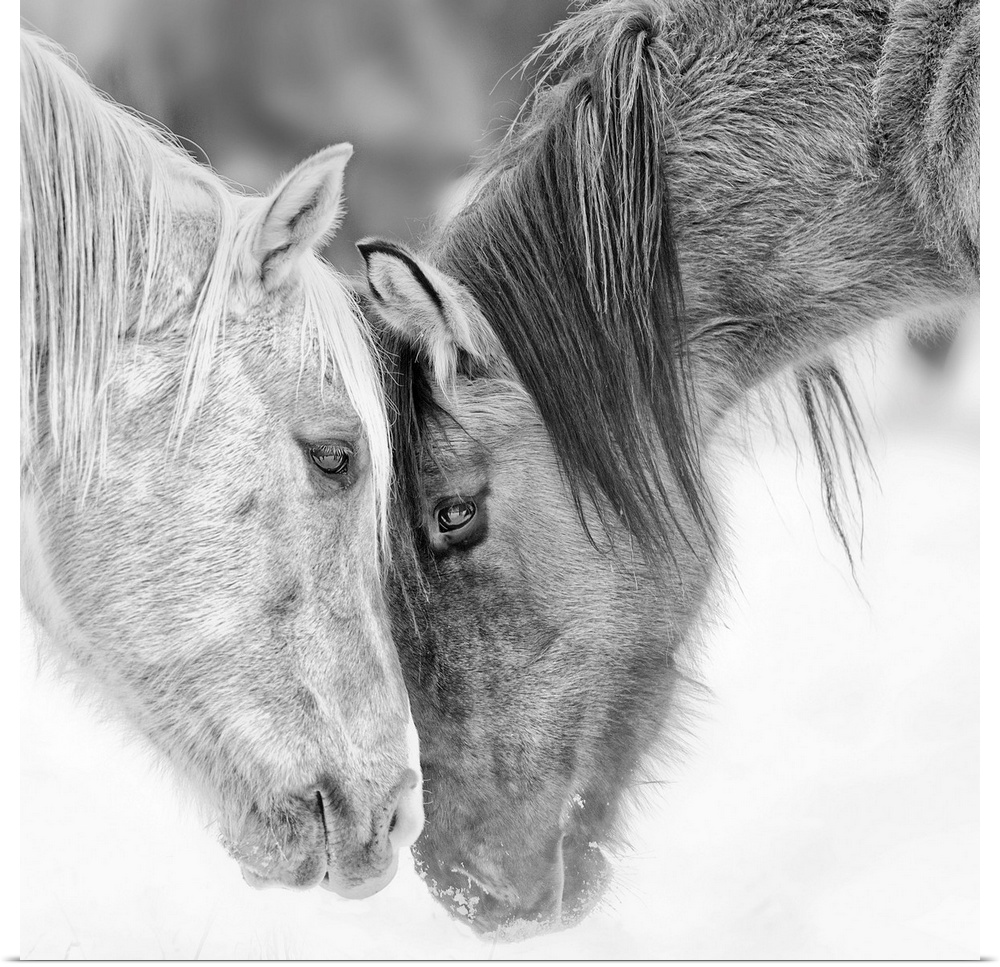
507 900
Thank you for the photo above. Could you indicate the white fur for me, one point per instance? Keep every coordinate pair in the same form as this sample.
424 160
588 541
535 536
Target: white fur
305 209
178 546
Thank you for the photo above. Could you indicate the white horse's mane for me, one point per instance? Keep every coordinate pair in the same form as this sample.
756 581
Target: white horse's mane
99 189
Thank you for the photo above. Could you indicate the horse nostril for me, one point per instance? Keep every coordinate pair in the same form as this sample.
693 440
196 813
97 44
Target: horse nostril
407 818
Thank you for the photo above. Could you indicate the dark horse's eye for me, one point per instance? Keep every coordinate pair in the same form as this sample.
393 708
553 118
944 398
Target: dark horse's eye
331 460
450 517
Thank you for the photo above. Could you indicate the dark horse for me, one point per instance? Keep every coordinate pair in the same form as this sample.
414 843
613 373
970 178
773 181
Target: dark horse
699 196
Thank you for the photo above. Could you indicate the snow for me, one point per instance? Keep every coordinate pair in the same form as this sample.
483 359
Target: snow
826 807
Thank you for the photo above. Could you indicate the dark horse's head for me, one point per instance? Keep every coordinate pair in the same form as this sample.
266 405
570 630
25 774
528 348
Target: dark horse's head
540 659
553 392
551 531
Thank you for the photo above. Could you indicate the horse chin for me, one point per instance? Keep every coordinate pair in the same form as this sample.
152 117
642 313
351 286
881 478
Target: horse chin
361 890
312 872
302 875
497 913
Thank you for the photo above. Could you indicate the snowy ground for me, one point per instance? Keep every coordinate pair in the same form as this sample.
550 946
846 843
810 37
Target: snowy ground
827 807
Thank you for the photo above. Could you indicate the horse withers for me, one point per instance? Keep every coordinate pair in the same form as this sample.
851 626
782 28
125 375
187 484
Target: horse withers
698 198
205 464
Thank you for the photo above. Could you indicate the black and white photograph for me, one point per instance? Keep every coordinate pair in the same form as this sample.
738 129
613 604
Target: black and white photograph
499 479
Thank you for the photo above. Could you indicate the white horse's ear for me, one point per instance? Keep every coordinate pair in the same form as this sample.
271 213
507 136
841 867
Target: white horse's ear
426 307
303 211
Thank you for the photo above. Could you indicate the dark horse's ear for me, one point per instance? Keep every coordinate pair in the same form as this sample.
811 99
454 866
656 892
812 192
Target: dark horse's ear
430 310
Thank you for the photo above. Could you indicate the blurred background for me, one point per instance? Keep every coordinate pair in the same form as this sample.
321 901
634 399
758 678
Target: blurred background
828 806
255 86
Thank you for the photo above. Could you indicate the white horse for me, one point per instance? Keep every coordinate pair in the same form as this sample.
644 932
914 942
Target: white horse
205 466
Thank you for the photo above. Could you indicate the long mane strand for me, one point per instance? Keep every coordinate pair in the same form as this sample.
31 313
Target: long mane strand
568 247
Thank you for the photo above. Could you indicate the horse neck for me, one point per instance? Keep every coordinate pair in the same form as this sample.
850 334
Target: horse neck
793 231
777 295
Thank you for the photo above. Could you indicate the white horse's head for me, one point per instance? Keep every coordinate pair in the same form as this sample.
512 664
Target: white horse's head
205 469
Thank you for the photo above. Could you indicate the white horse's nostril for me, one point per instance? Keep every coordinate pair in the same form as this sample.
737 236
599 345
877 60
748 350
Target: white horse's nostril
408 819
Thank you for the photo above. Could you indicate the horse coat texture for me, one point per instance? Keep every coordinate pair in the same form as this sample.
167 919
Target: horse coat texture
700 199
205 472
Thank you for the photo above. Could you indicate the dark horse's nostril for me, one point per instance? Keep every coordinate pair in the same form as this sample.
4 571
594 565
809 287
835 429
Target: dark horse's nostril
392 822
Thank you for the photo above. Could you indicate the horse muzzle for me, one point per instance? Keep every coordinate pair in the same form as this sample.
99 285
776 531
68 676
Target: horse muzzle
516 907
315 839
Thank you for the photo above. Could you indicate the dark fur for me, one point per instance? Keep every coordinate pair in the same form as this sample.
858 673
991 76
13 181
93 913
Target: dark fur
575 224
927 114
700 196
570 247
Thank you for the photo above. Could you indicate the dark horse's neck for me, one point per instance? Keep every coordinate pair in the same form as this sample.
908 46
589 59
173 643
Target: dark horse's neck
700 201
797 223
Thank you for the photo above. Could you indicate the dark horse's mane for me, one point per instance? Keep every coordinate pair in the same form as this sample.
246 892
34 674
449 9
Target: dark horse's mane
568 248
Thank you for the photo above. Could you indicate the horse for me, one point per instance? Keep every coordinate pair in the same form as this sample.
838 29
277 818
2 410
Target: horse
204 471
699 199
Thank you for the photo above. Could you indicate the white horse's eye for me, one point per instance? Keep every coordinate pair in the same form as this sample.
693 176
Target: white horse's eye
331 460
452 516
